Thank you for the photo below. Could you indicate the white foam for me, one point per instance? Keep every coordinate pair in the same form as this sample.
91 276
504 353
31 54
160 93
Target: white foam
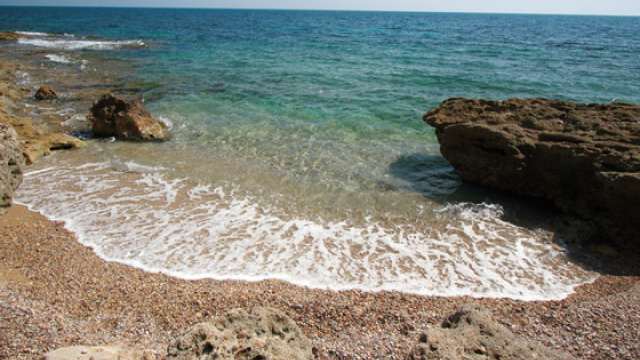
58 58
23 78
32 33
167 121
149 220
133 167
73 44
74 120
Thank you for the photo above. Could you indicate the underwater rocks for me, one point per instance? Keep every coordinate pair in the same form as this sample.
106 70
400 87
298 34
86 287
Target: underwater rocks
11 164
125 120
583 158
471 333
258 333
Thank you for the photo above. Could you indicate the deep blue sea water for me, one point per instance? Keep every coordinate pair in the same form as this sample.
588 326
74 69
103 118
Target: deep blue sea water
298 150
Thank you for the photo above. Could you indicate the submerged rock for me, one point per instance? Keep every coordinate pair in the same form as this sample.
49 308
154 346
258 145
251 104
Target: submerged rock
471 333
259 333
46 93
11 164
584 158
125 119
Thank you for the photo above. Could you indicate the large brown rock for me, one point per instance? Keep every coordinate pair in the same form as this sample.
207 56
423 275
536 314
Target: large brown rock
125 119
11 164
259 333
584 158
46 92
471 333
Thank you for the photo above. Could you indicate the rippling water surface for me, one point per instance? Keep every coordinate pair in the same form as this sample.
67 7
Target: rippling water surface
298 150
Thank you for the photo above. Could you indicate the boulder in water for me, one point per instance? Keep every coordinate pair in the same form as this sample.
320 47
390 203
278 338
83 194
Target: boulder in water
125 120
46 93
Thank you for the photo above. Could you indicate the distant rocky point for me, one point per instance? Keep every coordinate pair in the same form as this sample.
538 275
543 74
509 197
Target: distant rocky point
583 158
10 36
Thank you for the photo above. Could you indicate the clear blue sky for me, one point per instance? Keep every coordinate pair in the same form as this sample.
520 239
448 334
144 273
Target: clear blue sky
601 7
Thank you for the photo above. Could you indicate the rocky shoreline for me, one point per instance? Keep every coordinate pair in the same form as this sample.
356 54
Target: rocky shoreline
55 292
583 158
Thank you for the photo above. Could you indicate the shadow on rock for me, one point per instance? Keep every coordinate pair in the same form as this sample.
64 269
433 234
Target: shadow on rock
434 178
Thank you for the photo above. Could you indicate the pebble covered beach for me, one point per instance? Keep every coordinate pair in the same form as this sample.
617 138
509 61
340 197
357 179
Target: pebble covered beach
55 293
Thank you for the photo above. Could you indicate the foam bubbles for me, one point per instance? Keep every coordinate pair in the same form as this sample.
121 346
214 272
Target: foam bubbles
32 33
79 44
58 58
23 78
75 120
166 121
141 216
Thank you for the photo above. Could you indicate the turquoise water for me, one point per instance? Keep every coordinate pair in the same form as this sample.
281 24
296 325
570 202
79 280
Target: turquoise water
298 150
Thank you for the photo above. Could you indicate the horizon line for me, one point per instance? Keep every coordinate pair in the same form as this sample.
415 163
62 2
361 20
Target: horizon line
328 10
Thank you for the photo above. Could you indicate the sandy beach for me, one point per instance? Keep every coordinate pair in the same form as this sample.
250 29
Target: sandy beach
55 292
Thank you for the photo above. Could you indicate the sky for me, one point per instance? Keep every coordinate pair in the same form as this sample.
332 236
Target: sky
589 7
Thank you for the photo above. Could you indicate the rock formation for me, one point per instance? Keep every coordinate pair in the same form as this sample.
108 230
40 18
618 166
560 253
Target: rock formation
125 119
92 353
471 333
584 158
46 93
11 164
36 143
9 36
259 333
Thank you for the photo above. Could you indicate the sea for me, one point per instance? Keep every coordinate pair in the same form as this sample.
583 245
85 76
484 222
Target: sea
298 150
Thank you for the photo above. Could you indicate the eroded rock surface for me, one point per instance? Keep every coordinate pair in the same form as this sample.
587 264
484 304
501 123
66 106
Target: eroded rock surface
11 165
472 333
125 119
584 158
259 333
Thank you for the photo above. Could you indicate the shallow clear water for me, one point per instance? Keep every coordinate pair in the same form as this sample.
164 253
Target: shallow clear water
298 150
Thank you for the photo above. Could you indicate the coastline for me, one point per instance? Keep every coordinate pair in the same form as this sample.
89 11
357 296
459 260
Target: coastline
61 294
55 292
